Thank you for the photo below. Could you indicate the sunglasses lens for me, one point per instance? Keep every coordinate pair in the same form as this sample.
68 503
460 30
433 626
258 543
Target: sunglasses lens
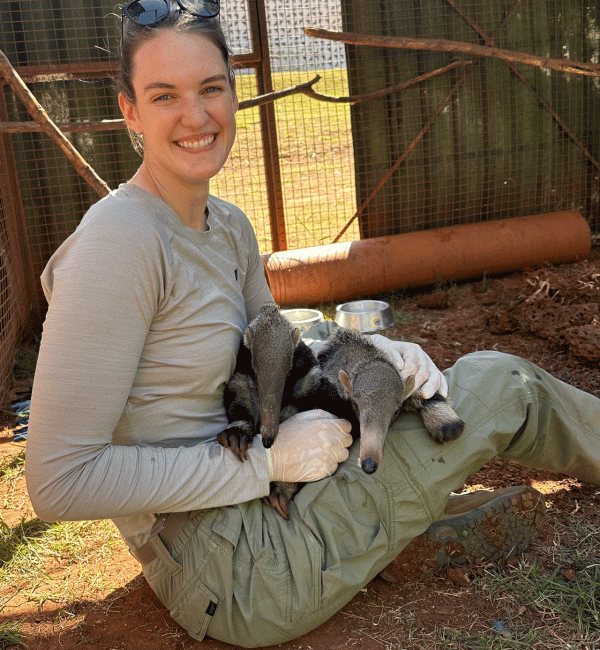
147 12
205 8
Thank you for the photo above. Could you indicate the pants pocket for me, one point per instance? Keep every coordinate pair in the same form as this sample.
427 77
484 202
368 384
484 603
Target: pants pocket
194 609
177 577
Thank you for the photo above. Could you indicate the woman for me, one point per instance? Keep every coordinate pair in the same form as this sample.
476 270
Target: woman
148 300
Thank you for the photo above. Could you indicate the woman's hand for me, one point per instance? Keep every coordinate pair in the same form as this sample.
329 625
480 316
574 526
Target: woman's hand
309 447
412 361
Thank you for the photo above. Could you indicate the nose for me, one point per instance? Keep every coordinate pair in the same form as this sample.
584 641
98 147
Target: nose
194 112
369 465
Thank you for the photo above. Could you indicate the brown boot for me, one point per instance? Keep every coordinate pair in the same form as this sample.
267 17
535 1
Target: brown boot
489 525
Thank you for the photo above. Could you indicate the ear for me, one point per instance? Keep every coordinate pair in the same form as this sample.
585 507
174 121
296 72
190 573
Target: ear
130 115
409 388
296 336
248 338
236 101
346 383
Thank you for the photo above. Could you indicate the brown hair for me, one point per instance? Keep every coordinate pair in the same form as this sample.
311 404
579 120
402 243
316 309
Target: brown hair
134 35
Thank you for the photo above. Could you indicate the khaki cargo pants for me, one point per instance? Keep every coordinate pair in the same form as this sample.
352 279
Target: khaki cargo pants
245 576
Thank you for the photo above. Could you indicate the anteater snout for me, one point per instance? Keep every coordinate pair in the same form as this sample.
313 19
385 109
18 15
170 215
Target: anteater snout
369 465
267 441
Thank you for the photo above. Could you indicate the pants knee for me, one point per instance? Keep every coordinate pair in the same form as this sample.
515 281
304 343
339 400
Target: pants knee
494 372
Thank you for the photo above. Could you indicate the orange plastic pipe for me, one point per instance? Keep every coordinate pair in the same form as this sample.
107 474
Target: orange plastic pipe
346 271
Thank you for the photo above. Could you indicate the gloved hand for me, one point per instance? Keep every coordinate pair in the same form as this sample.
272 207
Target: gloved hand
412 361
309 447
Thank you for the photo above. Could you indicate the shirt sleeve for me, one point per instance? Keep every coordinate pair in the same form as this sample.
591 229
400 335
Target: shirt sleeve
256 288
105 284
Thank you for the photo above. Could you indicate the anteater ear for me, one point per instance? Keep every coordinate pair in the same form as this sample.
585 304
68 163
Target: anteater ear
296 334
346 383
248 338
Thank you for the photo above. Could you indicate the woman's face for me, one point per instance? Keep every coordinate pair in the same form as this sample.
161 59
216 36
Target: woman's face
185 107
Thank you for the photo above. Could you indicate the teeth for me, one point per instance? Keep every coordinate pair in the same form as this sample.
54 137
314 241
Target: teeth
196 144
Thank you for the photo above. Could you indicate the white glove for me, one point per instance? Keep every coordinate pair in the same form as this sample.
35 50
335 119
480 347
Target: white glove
412 361
308 447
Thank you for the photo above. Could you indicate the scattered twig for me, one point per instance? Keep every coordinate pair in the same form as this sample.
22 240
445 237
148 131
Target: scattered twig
278 94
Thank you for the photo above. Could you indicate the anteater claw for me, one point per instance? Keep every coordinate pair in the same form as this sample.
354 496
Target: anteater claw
278 500
236 440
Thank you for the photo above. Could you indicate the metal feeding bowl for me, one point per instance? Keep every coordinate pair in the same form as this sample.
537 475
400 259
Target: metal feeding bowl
364 315
303 318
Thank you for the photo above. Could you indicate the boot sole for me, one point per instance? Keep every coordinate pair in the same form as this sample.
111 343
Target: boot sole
498 529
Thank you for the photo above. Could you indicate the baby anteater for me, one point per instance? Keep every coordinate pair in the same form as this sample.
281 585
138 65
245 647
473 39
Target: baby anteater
276 376
361 374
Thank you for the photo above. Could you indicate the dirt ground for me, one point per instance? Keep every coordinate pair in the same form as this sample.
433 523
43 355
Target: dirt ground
549 315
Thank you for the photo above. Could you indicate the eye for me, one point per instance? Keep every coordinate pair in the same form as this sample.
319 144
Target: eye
209 90
162 98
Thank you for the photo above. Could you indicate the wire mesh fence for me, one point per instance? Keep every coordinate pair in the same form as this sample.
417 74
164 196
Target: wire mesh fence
482 139
505 139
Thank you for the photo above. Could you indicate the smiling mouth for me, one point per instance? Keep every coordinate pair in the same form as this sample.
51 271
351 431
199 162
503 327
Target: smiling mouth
196 144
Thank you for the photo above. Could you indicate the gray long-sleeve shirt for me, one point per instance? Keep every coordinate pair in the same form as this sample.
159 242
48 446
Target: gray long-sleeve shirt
144 322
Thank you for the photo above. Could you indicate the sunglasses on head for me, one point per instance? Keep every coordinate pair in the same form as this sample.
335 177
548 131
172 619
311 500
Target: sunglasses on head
152 12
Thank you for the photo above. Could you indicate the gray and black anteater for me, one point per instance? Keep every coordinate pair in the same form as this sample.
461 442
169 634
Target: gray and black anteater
277 375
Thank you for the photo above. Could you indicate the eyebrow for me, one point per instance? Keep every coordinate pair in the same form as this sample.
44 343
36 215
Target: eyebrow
167 86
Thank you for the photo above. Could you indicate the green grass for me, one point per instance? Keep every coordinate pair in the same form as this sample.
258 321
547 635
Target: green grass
31 547
528 638
80 548
10 636
572 598
561 590
25 360
12 467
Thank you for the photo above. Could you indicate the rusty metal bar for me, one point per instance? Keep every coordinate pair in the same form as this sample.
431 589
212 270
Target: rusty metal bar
258 21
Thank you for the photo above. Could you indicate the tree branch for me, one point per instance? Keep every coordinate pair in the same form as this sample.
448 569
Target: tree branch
442 45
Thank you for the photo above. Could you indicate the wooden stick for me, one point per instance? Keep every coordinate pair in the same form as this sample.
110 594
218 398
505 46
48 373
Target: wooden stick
491 43
356 99
403 156
41 117
442 45
65 127
278 94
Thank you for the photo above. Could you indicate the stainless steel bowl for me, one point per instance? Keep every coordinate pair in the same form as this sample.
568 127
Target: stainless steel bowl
364 315
303 318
